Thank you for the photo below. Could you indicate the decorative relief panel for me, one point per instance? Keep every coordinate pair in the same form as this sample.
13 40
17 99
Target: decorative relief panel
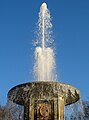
44 110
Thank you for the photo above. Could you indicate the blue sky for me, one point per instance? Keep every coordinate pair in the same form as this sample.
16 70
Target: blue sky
70 19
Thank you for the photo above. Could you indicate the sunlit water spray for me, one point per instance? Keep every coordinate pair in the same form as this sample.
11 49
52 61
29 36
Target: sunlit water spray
44 54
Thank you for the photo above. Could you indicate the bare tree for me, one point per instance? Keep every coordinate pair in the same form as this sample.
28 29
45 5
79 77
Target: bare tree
81 115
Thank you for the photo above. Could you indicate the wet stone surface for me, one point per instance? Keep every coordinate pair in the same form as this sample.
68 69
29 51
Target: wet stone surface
44 100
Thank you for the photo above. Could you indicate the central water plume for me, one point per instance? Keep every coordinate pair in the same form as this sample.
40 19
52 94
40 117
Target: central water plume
44 55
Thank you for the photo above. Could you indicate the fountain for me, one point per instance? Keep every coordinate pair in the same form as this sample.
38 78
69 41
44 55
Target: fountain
45 98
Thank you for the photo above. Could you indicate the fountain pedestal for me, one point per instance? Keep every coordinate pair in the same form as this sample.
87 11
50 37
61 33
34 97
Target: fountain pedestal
44 100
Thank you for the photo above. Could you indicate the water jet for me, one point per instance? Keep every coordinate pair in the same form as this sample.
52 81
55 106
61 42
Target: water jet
45 98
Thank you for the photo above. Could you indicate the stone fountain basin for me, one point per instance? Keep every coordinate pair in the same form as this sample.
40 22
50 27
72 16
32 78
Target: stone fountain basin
21 94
